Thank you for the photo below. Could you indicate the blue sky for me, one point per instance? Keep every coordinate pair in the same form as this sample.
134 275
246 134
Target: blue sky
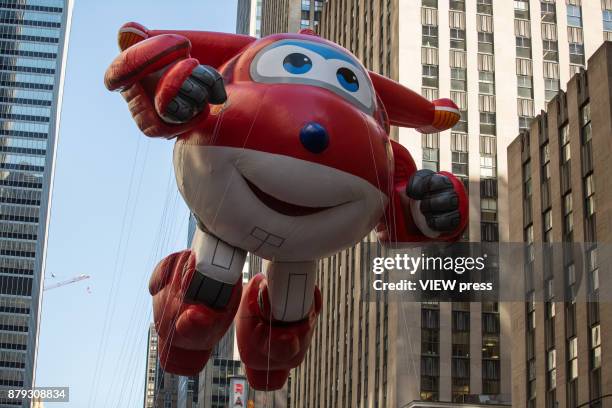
116 211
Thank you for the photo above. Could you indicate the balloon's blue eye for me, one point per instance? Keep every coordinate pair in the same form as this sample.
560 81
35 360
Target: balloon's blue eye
297 63
348 79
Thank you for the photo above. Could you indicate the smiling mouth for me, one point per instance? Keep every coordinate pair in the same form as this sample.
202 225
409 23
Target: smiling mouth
282 207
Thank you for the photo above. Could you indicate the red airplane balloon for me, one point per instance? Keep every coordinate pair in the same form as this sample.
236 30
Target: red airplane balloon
282 150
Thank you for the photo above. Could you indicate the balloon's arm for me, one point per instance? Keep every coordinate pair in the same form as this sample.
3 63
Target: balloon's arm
169 77
209 48
407 108
398 225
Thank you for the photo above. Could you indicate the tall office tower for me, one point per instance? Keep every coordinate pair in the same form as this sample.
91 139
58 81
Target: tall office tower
214 379
395 354
248 20
290 16
188 392
561 193
499 61
33 49
160 387
151 368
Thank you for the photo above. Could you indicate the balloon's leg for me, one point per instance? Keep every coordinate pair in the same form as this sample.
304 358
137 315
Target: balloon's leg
196 294
218 267
275 323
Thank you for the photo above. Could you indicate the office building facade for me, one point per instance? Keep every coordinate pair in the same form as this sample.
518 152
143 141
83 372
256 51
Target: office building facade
161 388
33 49
248 19
290 16
561 193
500 61
395 354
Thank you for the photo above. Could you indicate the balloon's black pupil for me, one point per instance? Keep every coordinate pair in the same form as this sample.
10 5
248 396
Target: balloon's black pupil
348 75
297 60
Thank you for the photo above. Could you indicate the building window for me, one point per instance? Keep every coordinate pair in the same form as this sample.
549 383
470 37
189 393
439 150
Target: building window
488 166
568 217
460 369
589 193
490 326
458 79
488 145
572 366
585 121
574 16
488 210
530 255
545 157
485 43
457 39
485 7
459 142
525 86
430 342
430 362
595 347
490 377
576 53
430 76
486 85
431 160
430 3
490 350
565 144
547 226
594 270
525 122
462 125
523 47
531 357
549 12
487 123
551 369
457 5
460 163
551 87
551 50
607 20
430 36
521 9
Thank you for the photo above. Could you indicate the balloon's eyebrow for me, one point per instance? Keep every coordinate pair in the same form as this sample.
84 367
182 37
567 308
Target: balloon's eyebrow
326 52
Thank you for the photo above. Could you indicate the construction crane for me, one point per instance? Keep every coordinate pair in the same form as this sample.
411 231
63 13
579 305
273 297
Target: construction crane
67 282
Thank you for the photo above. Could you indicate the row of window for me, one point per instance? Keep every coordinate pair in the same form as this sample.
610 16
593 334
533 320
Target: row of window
7 17
21 62
24 129
430 80
570 275
37 32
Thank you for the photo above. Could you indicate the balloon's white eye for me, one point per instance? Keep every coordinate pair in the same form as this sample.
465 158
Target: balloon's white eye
315 64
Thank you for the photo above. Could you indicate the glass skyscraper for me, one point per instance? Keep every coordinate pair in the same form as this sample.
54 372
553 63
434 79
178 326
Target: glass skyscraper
33 46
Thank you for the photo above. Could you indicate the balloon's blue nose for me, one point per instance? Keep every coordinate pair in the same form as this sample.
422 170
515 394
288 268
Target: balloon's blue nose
314 137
